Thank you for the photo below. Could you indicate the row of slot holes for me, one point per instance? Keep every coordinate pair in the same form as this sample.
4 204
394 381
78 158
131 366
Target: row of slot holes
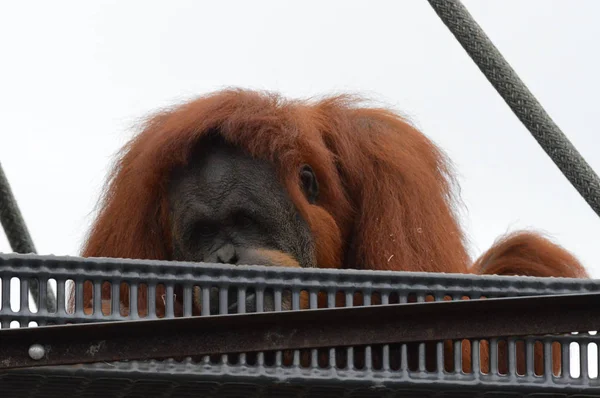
15 298
15 294
15 287
106 305
412 356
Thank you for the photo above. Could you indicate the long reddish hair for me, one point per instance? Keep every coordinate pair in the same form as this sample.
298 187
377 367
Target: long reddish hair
386 200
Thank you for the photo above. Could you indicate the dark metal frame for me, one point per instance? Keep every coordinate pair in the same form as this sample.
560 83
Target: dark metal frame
334 327
536 305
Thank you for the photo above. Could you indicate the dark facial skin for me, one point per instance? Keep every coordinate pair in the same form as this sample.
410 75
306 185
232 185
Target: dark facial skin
227 207
225 203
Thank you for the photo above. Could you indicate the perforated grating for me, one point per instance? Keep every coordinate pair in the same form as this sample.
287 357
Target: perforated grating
183 289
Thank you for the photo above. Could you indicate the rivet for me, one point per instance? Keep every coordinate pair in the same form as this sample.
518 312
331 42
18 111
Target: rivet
37 352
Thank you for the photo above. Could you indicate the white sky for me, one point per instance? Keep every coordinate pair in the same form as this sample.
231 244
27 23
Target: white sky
75 78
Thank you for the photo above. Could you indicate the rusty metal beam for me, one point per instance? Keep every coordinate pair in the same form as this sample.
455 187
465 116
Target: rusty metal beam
221 334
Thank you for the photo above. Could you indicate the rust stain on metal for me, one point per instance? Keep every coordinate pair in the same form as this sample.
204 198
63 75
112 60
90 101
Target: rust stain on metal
95 348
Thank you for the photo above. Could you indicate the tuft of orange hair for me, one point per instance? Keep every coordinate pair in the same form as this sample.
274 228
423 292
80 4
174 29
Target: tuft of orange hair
526 253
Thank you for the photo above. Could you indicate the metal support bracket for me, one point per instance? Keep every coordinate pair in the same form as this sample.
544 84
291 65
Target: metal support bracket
287 330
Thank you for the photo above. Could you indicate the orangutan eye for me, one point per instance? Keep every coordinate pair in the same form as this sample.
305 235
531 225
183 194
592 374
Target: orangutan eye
205 231
243 220
310 186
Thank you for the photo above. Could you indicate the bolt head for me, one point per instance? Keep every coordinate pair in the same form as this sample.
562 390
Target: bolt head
36 352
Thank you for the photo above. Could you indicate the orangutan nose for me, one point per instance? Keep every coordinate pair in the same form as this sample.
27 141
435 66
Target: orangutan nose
227 255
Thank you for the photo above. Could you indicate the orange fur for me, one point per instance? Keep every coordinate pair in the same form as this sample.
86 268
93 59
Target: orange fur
528 254
374 168
525 253
279 258
386 200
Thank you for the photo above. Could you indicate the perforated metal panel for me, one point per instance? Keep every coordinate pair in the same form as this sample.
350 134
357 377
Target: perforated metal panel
375 371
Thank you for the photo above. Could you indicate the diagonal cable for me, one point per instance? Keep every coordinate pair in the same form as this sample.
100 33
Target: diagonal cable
518 97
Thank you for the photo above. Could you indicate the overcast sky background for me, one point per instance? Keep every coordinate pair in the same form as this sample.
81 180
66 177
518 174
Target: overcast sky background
76 77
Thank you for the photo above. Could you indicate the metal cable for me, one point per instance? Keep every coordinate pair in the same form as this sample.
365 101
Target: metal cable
12 221
518 97
18 235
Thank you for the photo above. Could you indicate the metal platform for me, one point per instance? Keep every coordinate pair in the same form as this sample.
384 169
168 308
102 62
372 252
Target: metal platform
380 369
